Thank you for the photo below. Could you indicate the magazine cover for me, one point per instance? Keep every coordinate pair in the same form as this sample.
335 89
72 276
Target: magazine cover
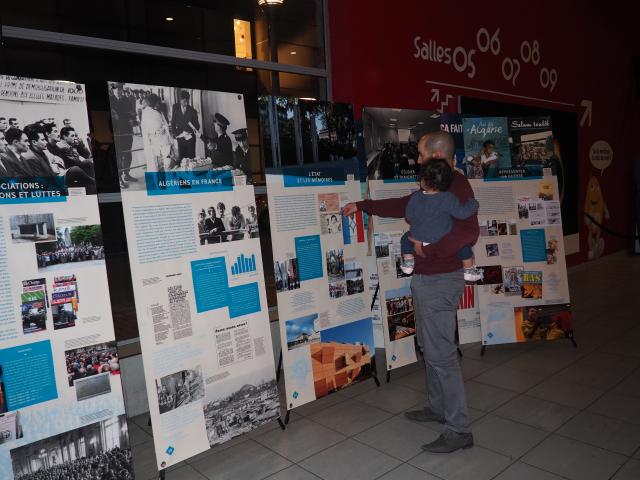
486 145
531 141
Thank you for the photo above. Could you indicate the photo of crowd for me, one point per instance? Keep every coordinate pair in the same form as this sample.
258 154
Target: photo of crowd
36 227
91 360
400 314
163 129
217 225
105 454
391 140
180 388
79 244
50 141
286 275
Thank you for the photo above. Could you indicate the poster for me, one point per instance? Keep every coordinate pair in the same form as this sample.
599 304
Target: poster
60 388
321 281
396 301
487 149
532 148
524 295
196 266
297 131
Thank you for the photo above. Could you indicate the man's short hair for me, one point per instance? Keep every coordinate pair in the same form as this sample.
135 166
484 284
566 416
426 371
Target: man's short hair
437 174
12 134
48 127
440 145
184 95
64 132
2 118
12 120
66 120
33 132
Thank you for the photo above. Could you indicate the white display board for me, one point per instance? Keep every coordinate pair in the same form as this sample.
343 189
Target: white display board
396 300
60 385
321 281
196 266
525 293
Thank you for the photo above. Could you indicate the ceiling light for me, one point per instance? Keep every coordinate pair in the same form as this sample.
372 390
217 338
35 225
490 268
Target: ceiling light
262 3
393 119
307 98
420 123
169 19
293 52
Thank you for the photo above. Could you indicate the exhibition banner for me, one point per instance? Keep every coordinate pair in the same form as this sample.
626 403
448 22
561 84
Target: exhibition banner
62 412
321 281
196 266
396 300
525 293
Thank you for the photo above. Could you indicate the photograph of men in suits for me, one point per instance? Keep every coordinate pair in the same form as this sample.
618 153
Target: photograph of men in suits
185 125
123 118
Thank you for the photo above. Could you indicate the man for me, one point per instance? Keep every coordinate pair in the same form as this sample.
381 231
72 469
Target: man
12 159
36 158
185 125
219 148
436 286
73 151
3 149
222 208
241 153
3 124
123 116
66 122
13 122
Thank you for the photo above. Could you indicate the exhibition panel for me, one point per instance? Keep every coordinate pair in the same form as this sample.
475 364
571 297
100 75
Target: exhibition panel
61 402
196 264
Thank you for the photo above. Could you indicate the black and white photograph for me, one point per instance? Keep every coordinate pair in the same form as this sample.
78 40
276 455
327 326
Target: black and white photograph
493 228
299 132
286 275
36 227
100 450
180 388
81 245
161 129
513 227
226 221
502 228
48 139
381 242
94 386
330 223
391 140
354 275
335 265
492 250
239 403
10 427
91 360
523 207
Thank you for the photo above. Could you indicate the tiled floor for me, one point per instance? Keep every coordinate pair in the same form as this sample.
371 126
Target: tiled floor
540 411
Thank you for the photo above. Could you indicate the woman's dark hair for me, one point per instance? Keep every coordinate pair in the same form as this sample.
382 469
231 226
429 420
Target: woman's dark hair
437 174
153 100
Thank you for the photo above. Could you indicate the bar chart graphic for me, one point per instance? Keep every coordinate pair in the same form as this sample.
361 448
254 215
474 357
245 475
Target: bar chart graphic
244 265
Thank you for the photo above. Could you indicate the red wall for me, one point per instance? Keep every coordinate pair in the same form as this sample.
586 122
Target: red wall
589 44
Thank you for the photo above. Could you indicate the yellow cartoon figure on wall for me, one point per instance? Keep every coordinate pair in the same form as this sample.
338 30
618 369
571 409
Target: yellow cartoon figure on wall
594 205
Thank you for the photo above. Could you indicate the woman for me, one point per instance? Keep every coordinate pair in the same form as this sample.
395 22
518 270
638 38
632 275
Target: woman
156 138
237 223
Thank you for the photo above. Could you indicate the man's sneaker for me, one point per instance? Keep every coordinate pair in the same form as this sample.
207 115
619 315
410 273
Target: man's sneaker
473 274
449 442
407 265
424 415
